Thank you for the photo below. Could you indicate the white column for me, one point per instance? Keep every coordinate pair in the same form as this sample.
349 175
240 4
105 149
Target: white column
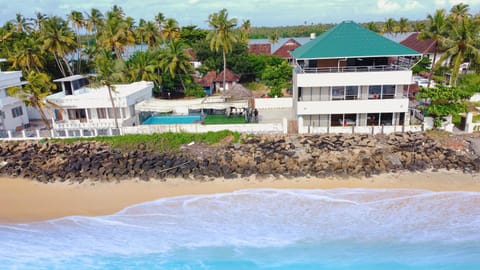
285 126
38 133
469 123
9 133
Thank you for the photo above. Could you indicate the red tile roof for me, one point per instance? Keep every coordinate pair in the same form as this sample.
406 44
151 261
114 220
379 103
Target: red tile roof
421 46
286 48
264 48
229 76
207 80
191 53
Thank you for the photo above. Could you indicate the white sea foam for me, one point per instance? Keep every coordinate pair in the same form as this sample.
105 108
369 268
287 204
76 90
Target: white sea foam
254 218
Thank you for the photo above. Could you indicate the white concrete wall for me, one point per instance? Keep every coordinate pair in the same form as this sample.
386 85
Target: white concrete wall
10 123
10 78
402 77
199 128
475 97
273 103
359 130
352 106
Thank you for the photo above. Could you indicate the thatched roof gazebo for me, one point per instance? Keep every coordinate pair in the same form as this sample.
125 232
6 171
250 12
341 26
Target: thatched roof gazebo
238 92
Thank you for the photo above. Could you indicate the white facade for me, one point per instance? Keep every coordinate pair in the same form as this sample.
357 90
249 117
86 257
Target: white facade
13 112
86 107
343 96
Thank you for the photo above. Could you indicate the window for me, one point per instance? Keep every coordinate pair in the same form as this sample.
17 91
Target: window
300 94
2 115
343 120
101 113
338 93
388 92
17 111
373 119
111 113
351 92
374 92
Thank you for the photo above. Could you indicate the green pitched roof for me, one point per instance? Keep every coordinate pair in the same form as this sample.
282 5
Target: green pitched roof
349 39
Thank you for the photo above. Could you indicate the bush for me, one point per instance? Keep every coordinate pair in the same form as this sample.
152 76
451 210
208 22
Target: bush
195 90
276 92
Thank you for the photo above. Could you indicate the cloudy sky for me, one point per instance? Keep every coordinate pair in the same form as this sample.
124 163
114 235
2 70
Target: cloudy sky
260 12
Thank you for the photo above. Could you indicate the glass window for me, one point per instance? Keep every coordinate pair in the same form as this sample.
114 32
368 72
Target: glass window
101 113
338 93
350 120
373 119
17 111
351 92
388 92
336 120
386 119
374 91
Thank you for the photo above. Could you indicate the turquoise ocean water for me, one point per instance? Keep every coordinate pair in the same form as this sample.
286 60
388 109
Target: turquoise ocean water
261 229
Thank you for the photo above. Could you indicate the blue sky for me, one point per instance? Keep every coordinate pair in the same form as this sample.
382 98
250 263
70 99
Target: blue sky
260 12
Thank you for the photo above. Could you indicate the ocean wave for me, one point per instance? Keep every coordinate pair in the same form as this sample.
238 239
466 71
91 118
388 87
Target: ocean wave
256 218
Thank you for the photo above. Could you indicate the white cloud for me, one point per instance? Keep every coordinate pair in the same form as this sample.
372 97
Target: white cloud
440 2
387 5
412 5
193 2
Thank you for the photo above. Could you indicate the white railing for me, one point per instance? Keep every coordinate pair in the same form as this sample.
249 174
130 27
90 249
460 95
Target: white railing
300 69
360 130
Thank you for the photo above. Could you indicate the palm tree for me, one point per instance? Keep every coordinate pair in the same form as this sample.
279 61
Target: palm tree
143 66
273 38
160 19
116 33
21 24
389 26
38 20
151 35
372 26
245 31
27 55
33 94
403 26
418 26
175 61
222 35
78 22
170 30
57 38
108 72
94 22
461 42
435 30
459 11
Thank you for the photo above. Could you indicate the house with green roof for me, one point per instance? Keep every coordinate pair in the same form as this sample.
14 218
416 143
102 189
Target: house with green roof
350 78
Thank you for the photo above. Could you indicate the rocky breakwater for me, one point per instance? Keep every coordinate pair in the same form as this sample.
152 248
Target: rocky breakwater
289 156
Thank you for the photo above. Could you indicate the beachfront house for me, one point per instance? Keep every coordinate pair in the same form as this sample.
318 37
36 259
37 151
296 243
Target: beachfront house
82 106
230 80
287 47
13 112
351 77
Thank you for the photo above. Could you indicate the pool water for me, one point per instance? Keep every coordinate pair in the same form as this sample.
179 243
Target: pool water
172 119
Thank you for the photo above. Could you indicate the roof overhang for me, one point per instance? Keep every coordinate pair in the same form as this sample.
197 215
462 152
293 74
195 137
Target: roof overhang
360 56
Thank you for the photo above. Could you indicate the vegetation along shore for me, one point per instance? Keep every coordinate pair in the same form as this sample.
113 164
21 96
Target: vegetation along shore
228 155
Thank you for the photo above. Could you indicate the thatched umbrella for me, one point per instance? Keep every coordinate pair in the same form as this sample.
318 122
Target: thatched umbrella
238 92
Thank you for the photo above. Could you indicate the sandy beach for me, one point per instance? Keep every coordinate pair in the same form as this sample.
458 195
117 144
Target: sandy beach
23 200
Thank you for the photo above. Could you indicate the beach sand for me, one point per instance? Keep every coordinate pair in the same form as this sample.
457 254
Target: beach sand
24 200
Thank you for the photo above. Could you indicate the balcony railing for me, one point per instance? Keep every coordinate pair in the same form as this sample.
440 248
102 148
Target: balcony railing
300 69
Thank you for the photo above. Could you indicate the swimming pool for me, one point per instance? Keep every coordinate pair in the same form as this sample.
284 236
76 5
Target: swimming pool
172 119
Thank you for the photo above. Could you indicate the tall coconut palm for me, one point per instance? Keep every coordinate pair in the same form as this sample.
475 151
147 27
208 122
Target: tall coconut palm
116 34
151 35
435 30
57 38
175 61
245 31
78 22
462 42
160 19
418 26
33 94
459 11
222 35
170 30
27 55
94 22
38 20
403 26
372 26
389 26
21 24
108 72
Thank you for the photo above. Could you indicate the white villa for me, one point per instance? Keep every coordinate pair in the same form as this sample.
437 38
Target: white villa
13 112
87 107
351 77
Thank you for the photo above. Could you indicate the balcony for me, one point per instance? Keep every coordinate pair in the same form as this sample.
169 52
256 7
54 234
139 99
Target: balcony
352 106
352 75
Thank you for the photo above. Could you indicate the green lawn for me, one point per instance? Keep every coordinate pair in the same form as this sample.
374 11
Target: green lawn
222 119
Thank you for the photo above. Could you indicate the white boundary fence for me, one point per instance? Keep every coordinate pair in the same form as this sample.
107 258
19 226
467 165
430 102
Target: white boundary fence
360 130
273 103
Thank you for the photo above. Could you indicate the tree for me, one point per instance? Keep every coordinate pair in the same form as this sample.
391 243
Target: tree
372 26
175 61
389 26
38 20
57 38
95 21
277 77
78 22
443 101
21 24
27 55
33 94
434 30
151 35
222 35
245 31
143 66
273 38
461 42
403 26
116 33
459 11
170 29
108 72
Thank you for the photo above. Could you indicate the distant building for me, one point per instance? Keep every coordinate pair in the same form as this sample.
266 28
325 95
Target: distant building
230 80
286 48
86 107
426 47
13 112
207 82
261 48
351 76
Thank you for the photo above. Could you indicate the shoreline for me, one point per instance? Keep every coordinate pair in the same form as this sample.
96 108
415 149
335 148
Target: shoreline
25 200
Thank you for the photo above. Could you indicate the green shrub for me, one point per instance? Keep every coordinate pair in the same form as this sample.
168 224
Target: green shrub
195 90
